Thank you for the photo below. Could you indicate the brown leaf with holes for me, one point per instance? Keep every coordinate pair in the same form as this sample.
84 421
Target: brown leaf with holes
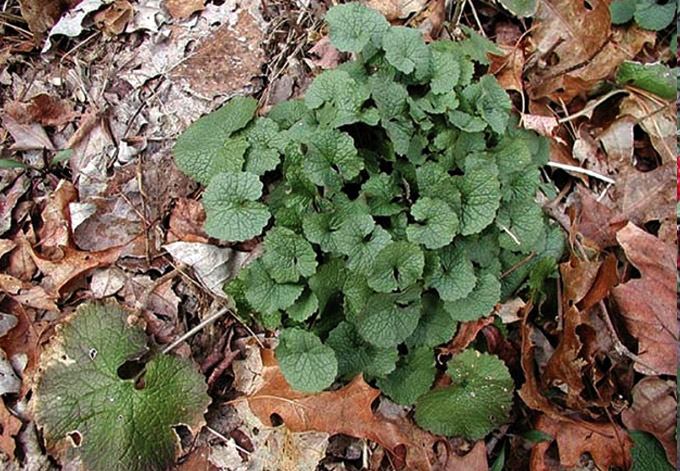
182 9
608 445
348 411
648 304
654 411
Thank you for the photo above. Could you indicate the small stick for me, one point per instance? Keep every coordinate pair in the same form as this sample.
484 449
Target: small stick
196 329
226 440
585 171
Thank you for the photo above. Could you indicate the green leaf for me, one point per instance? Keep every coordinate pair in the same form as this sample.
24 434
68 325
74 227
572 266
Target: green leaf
264 294
406 50
522 225
494 104
11 163
388 95
622 11
266 142
654 16
307 364
119 426
412 378
466 122
328 281
288 256
62 156
477 47
361 240
520 8
381 191
647 453
455 278
356 356
342 96
232 212
306 305
480 302
388 319
205 147
537 436
353 25
397 266
480 195
435 327
436 223
445 58
655 78
331 158
478 400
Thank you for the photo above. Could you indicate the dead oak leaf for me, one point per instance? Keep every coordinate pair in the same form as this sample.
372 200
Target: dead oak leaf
73 265
648 304
348 411
608 444
654 411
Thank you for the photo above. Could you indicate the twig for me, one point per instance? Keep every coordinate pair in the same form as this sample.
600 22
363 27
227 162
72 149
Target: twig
196 329
591 106
479 23
227 440
618 345
585 171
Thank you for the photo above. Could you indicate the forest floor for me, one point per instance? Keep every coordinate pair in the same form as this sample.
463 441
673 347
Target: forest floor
94 94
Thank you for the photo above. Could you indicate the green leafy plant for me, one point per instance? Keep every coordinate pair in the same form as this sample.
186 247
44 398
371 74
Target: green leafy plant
648 14
115 424
396 200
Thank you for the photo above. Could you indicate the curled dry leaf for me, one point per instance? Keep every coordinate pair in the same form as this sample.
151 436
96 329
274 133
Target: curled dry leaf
395 9
55 232
9 428
348 411
654 411
650 319
609 445
467 333
544 125
9 200
41 14
509 68
572 364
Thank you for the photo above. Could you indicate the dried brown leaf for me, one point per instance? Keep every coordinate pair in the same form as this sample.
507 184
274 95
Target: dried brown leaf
114 19
182 9
608 444
348 411
654 411
42 14
648 304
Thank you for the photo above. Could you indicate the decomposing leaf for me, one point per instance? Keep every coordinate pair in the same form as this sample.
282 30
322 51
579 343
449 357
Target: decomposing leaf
608 444
9 429
9 199
646 196
650 319
26 136
658 120
182 9
652 411
345 411
42 109
41 14
213 265
116 424
186 222
618 141
395 9
72 265
71 24
114 19
578 48
55 233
